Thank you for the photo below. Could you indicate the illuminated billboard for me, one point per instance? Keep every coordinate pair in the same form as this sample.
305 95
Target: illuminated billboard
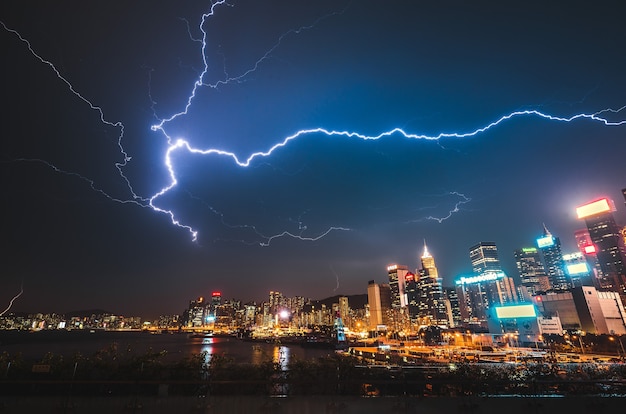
577 269
484 277
595 207
591 249
516 311
545 241
409 277
529 250
391 268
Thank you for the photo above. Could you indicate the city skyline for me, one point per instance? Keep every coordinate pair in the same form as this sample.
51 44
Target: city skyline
325 213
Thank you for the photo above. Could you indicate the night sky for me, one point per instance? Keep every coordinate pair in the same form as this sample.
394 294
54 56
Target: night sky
76 237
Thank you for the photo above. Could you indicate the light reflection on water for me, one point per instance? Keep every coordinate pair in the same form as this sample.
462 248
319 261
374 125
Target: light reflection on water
176 346
281 357
207 348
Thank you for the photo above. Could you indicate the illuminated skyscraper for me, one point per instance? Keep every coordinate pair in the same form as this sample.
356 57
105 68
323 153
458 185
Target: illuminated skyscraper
379 301
431 302
484 257
428 263
477 293
275 301
397 275
606 237
550 247
588 249
578 270
531 271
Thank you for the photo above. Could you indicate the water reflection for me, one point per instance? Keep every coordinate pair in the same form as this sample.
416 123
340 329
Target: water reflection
207 349
281 357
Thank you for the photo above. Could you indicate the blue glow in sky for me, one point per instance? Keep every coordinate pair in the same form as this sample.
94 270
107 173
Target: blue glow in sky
460 98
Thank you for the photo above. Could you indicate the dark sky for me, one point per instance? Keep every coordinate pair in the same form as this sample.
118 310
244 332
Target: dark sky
76 237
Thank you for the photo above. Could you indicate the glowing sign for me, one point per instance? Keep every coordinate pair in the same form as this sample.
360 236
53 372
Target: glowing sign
577 269
591 249
409 277
392 268
484 277
573 256
529 250
596 207
214 294
516 311
545 241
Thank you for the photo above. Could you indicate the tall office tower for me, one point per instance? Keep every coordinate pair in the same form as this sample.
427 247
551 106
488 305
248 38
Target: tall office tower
344 311
578 270
455 308
379 300
276 301
550 247
412 296
428 263
587 248
531 271
484 257
431 303
478 293
216 301
397 275
605 235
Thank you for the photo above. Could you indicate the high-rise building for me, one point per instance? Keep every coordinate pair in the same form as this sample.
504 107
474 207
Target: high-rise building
606 237
379 301
477 293
578 270
588 249
431 301
275 301
550 247
428 263
531 271
484 257
397 275
412 295
455 309
344 310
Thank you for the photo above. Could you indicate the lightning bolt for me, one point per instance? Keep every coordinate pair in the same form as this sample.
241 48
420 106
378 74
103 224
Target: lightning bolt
456 209
180 144
13 300
266 240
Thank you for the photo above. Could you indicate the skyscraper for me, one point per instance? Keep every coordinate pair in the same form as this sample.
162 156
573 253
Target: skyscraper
431 301
428 262
379 301
484 256
531 271
397 275
550 247
588 249
606 237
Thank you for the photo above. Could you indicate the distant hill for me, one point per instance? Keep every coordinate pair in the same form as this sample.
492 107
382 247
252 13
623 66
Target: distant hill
355 301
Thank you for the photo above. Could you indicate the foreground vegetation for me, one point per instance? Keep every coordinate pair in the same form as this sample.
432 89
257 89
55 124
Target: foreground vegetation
110 372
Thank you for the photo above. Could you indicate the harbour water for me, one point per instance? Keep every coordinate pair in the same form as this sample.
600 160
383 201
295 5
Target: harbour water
177 346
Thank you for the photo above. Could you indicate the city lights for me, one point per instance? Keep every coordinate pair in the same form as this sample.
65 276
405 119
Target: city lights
595 207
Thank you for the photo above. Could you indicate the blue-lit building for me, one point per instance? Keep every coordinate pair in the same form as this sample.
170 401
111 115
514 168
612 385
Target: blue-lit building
550 248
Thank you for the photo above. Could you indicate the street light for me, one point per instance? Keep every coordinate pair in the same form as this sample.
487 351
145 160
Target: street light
619 340
580 340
